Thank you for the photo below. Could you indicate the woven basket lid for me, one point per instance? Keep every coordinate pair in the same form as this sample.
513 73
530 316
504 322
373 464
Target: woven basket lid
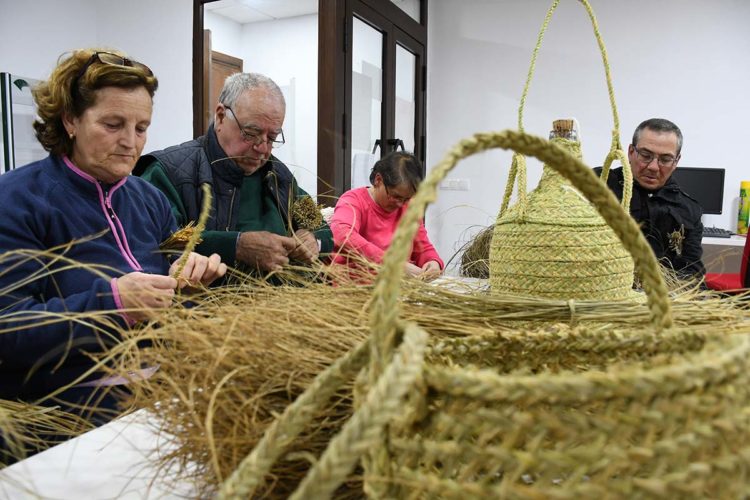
559 246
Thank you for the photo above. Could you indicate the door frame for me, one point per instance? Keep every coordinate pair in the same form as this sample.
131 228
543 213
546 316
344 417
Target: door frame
334 81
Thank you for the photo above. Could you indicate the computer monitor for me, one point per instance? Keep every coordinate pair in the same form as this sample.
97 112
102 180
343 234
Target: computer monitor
706 185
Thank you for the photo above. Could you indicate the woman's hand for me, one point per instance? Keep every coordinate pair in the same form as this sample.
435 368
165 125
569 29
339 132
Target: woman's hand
199 270
430 271
411 270
140 293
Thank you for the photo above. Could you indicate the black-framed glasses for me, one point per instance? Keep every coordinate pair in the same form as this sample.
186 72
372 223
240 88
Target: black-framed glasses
256 136
110 59
646 157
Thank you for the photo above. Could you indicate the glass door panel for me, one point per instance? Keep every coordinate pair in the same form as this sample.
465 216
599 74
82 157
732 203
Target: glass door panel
406 105
367 99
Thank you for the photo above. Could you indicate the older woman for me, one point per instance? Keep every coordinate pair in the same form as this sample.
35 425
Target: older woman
78 234
366 218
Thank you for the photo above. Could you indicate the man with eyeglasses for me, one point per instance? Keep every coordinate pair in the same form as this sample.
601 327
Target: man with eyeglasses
253 190
669 218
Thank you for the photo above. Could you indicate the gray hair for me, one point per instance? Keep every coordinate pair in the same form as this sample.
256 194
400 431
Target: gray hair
658 125
235 85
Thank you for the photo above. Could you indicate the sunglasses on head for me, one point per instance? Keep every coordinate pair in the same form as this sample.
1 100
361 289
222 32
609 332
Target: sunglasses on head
112 60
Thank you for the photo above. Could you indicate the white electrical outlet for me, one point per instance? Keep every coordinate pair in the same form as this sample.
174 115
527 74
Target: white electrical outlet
455 184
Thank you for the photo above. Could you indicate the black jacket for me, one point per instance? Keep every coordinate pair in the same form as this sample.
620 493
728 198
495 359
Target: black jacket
671 221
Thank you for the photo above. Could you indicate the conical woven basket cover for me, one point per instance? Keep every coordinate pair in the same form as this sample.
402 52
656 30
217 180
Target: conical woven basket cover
559 246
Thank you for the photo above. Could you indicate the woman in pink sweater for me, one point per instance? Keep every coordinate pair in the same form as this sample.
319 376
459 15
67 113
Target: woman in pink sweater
366 218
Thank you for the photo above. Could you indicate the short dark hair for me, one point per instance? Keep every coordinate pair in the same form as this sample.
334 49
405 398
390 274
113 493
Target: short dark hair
658 125
398 168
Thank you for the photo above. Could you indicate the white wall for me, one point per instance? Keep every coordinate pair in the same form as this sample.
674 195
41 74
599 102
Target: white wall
226 35
286 50
35 33
685 60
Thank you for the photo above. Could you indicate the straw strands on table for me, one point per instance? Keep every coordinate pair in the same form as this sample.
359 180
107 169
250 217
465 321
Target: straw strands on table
27 429
230 366
475 255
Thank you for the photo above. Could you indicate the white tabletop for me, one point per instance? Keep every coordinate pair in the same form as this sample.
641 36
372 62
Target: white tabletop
733 241
105 463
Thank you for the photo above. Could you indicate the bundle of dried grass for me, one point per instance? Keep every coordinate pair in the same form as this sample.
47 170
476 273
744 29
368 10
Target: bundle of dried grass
475 255
26 429
306 214
179 239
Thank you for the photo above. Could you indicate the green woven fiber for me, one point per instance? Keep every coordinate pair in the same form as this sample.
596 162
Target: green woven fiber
558 246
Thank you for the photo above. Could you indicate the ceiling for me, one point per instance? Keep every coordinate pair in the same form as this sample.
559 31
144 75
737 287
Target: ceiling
253 11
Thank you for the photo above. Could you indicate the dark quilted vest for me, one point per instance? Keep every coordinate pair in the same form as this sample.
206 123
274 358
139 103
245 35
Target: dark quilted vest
188 166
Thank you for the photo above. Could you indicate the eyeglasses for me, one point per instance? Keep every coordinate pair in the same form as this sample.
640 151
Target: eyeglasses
112 60
256 137
397 199
646 157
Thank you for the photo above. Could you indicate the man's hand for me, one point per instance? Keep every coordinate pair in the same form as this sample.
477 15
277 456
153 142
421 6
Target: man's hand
306 249
264 250
430 271
143 292
199 269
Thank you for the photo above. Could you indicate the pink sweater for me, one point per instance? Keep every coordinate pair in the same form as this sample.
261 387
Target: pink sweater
360 226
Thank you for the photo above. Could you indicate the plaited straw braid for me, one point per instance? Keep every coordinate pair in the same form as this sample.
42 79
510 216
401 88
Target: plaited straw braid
485 385
385 295
251 472
518 166
632 427
616 150
364 430
532 65
196 234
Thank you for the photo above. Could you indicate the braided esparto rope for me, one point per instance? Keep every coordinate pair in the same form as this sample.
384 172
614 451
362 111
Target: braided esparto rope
518 164
196 234
385 296
251 472
534 54
364 429
568 388
518 168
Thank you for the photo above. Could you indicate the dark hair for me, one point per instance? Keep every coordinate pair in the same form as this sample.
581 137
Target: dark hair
658 125
398 168
56 98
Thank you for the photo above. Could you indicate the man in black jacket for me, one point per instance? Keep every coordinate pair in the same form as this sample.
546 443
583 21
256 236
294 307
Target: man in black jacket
253 191
669 218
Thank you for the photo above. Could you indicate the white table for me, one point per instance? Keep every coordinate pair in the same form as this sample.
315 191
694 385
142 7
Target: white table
110 462
723 255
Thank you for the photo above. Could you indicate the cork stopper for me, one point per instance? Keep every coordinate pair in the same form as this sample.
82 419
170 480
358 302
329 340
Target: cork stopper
565 128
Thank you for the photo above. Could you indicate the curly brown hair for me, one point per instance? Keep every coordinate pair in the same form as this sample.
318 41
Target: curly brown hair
57 97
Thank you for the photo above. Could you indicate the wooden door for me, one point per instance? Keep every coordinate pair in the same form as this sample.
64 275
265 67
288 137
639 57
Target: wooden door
217 67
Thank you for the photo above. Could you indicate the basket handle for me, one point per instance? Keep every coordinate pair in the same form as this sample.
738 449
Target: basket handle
385 312
382 403
518 165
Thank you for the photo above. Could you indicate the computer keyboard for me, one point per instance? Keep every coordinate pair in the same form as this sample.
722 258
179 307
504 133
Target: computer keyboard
716 232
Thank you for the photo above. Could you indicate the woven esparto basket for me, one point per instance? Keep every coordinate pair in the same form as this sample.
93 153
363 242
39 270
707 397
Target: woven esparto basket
595 411
552 243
